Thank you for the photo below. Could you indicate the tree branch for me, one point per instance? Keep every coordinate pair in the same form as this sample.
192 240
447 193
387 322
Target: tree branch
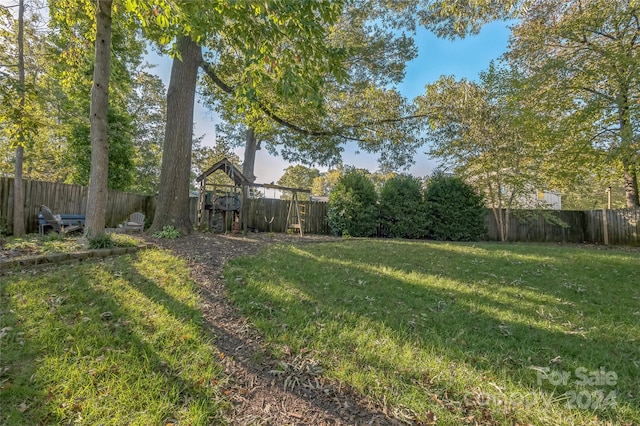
594 92
209 70
602 34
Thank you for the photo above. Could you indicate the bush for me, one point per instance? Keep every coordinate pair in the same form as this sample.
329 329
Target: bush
168 232
105 241
454 211
352 206
401 213
101 242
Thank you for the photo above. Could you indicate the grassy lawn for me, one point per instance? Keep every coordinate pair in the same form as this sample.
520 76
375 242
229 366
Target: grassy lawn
458 333
112 343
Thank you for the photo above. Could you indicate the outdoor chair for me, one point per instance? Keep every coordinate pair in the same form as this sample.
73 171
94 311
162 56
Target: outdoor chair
56 222
135 222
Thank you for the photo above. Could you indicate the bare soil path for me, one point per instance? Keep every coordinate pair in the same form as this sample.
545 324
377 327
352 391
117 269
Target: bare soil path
300 396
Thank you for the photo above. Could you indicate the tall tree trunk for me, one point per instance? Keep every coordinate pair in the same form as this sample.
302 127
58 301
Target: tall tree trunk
250 148
97 199
628 152
172 207
630 184
497 215
507 223
18 190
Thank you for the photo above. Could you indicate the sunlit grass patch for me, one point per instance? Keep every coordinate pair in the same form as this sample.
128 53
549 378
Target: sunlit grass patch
35 244
459 332
119 342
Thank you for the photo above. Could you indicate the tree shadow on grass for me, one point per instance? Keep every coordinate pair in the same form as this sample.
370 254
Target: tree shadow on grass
83 344
265 390
559 277
259 395
261 384
488 333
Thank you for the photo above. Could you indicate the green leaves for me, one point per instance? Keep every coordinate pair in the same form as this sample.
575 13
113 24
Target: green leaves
121 151
323 85
453 209
130 5
451 19
487 134
582 61
352 206
298 176
401 208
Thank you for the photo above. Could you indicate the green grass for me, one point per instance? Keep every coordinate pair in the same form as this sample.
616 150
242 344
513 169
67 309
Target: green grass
461 333
34 244
112 343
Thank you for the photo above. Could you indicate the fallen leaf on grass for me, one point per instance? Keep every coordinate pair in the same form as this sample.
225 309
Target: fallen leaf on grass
5 331
431 418
504 330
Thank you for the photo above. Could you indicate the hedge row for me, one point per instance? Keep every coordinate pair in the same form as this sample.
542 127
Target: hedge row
447 209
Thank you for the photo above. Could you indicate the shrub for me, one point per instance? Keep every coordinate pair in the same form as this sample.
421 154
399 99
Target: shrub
101 242
454 211
352 206
401 213
168 232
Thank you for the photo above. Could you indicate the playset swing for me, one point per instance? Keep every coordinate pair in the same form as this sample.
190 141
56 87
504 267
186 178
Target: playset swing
273 216
217 205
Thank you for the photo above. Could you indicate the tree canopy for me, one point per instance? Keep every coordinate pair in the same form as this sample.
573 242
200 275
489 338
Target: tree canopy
474 132
306 82
375 41
583 62
298 176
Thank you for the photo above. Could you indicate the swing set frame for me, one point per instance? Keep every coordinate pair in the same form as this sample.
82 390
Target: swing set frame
241 186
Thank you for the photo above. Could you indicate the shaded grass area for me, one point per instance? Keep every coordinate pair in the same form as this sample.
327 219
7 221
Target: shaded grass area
459 333
117 342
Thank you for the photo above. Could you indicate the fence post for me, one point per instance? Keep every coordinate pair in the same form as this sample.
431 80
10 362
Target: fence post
605 227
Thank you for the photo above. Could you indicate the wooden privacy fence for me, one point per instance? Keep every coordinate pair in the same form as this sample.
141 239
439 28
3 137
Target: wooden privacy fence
71 199
270 215
265 210
617 227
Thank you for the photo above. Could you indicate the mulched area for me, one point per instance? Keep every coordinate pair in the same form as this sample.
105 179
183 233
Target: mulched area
260 395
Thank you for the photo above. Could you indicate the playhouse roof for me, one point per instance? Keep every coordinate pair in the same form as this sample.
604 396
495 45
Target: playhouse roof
229 169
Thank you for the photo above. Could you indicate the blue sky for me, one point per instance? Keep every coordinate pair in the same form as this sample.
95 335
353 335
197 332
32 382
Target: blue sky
464 58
